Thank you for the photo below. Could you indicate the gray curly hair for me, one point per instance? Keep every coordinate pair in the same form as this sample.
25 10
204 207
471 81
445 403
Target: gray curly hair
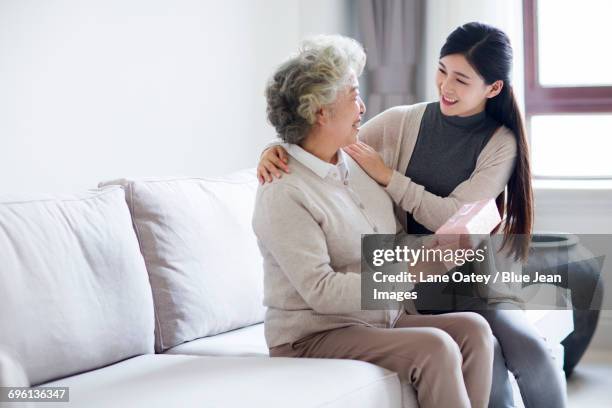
310 80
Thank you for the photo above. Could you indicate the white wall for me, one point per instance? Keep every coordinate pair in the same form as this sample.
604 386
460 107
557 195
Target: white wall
325 17
99 89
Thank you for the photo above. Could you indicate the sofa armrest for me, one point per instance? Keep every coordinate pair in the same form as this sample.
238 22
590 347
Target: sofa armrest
554 325
12 373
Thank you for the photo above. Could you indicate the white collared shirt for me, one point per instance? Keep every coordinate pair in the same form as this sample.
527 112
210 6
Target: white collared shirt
323 169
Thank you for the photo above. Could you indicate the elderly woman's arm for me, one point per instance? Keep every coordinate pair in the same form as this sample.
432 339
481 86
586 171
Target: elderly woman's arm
291 235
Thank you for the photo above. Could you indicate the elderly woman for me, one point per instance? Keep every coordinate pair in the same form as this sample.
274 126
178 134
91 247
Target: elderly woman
309 225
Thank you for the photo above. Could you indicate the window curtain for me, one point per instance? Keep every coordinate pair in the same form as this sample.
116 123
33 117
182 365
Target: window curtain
391 32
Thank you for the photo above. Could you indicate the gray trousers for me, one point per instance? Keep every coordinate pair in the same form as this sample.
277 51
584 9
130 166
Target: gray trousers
520 349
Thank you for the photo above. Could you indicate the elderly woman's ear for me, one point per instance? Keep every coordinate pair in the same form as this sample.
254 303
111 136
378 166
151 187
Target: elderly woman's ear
322 116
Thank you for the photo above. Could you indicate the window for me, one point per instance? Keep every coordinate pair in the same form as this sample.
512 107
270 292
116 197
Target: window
568 87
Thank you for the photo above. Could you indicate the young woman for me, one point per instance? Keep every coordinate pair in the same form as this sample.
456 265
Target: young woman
470 145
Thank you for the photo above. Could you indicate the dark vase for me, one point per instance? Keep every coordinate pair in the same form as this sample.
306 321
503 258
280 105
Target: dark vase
580 272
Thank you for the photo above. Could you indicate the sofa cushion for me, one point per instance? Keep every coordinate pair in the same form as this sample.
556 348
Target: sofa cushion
202 257
74 294
244 342
193 381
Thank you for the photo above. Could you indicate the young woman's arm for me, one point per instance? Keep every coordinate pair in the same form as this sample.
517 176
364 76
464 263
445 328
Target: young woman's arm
378 158
493 169
381 132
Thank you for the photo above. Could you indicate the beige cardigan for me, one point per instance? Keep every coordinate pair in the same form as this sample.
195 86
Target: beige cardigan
309 232
393 134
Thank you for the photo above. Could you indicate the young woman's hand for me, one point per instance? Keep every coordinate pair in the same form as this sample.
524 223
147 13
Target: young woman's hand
370 161
272 161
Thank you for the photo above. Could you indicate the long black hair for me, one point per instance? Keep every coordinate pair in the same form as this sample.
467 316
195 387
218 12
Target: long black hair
487 49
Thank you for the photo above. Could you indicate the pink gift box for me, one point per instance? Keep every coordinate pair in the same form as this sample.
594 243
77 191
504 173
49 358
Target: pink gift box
480 217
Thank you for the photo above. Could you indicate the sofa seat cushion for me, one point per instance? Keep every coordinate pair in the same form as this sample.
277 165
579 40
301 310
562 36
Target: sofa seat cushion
250 341
194 381
245 342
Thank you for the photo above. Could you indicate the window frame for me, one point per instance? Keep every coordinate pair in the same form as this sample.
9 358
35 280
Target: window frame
555 99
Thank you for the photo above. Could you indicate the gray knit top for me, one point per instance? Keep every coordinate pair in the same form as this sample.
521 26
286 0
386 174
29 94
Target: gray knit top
445 152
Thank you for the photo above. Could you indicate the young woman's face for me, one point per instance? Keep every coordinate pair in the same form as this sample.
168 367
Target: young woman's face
461 90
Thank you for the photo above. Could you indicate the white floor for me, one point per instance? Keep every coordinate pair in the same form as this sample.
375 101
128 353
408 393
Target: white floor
591 383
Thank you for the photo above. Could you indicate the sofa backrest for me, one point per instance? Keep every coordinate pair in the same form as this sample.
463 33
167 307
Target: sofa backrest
204 265
74 293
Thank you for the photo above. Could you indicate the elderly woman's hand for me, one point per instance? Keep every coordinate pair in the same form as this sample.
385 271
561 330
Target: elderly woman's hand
370 161
271 162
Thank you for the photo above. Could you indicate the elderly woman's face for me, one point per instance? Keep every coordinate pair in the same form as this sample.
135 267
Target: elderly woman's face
346 114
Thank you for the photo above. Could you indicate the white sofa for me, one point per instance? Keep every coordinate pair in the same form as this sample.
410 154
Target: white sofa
148 293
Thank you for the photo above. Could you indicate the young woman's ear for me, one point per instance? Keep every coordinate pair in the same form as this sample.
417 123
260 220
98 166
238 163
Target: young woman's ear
496 88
